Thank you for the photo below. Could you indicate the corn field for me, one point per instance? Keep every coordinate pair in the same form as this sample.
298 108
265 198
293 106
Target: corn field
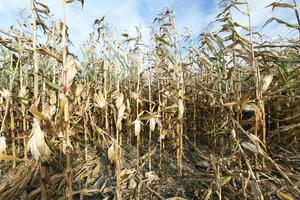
216 117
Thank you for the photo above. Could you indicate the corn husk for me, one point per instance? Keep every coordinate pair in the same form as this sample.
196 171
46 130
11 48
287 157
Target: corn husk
119 100
2 145
128 106
120 117
121 111
111 153
69 71
137 126
64 108
37 144
152 123
180 108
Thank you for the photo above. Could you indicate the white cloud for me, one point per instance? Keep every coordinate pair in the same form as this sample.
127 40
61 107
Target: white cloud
260 14
127 14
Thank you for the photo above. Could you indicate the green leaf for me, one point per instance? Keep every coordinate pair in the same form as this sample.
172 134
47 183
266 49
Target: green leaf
54 86
225 180
162 40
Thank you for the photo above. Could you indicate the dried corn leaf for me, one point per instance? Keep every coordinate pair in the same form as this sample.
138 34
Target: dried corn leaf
37 114
132 184
176 198
52 97
100 100
151 176
253 148
284 196
265 83
5 93
10 158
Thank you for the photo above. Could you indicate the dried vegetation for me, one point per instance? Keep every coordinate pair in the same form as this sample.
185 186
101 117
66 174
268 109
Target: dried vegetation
176 118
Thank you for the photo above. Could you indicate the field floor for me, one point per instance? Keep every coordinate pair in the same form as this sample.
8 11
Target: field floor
202 173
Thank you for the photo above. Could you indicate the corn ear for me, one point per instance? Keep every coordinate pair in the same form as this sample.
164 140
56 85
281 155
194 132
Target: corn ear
152 122
180 108
2 145
37 144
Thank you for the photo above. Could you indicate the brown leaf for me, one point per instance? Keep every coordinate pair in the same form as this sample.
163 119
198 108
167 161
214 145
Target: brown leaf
284 196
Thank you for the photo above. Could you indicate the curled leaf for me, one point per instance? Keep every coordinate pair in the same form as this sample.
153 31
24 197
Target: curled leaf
151 176
265 83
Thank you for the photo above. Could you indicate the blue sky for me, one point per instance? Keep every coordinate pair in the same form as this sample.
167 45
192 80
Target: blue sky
125 14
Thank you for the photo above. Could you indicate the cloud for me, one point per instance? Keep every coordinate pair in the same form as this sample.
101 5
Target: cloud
126 14
260 13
